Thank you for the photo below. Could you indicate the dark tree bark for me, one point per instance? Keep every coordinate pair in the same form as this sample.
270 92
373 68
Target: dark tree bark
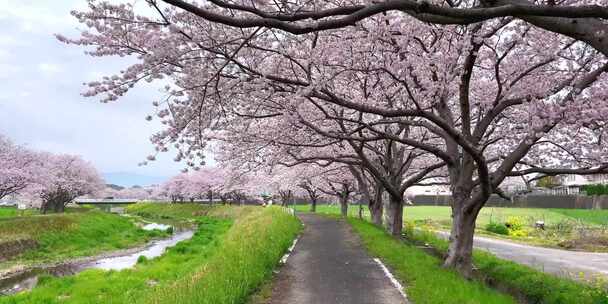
343 205
285 197
376 207
313 193
313 205
394 215
460 250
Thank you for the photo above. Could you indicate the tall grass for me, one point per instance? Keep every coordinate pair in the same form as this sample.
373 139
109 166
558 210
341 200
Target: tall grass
426 281
246 257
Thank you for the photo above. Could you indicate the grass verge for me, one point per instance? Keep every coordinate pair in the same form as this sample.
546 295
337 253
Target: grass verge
426 281
249 252
534 285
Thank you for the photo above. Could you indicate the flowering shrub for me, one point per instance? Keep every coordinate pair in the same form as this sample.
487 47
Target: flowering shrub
516 226
498 228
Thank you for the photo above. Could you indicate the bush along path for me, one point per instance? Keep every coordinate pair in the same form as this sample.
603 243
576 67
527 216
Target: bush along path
329 265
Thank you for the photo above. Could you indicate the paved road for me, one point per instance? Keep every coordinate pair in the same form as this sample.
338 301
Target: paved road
330 266
560 262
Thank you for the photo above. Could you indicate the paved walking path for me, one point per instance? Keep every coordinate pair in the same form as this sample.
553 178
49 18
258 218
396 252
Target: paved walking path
330 266
556 261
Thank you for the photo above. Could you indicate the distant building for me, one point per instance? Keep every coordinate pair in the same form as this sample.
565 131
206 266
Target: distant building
573 184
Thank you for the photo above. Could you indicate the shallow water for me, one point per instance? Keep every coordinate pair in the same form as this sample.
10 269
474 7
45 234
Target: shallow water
157 248
156 226
28 280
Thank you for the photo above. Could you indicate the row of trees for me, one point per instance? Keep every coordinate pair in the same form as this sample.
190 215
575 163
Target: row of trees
391 93
53 179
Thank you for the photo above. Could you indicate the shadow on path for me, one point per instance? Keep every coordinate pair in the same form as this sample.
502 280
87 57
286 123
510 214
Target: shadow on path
330 266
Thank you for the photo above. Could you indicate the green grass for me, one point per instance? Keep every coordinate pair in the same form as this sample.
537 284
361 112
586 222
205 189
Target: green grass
561 224
425 280
353 210
8 212
131 285
598 217
168 211
232 254
63 236
246 258
442 214
536 286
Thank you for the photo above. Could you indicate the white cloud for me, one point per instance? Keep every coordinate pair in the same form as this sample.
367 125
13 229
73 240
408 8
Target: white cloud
41 105
49 68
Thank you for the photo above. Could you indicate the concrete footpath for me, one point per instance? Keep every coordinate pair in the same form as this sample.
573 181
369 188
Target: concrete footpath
330 266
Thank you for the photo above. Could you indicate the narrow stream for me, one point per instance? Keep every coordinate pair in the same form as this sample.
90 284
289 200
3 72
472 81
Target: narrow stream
29 279
156 249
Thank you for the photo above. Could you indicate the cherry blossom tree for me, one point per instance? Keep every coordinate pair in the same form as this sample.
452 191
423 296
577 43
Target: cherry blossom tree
17 167
206 183
61 179
486 100
580 20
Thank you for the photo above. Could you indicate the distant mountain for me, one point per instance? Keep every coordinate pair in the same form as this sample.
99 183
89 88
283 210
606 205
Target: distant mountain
127 179
115 187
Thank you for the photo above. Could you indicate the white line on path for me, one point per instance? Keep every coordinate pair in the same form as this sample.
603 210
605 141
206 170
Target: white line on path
392 278
286 256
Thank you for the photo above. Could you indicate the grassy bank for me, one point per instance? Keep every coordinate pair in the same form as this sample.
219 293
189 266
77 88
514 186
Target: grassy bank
168 211
64 236
131 285
425 280
233 252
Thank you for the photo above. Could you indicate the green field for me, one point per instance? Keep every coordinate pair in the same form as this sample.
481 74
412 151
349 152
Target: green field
442 214
574 229
8 212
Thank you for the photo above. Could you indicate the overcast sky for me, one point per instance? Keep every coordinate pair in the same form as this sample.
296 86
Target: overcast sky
40 103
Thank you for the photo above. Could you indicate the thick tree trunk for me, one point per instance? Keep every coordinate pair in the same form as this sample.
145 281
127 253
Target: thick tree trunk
376 207
313 205
344 206
394 215
460 250
376 212
59 207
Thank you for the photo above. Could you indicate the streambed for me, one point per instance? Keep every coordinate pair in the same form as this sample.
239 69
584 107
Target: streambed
28 279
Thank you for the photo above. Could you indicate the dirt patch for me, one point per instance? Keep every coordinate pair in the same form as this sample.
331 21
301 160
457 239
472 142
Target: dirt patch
13 248
589 243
